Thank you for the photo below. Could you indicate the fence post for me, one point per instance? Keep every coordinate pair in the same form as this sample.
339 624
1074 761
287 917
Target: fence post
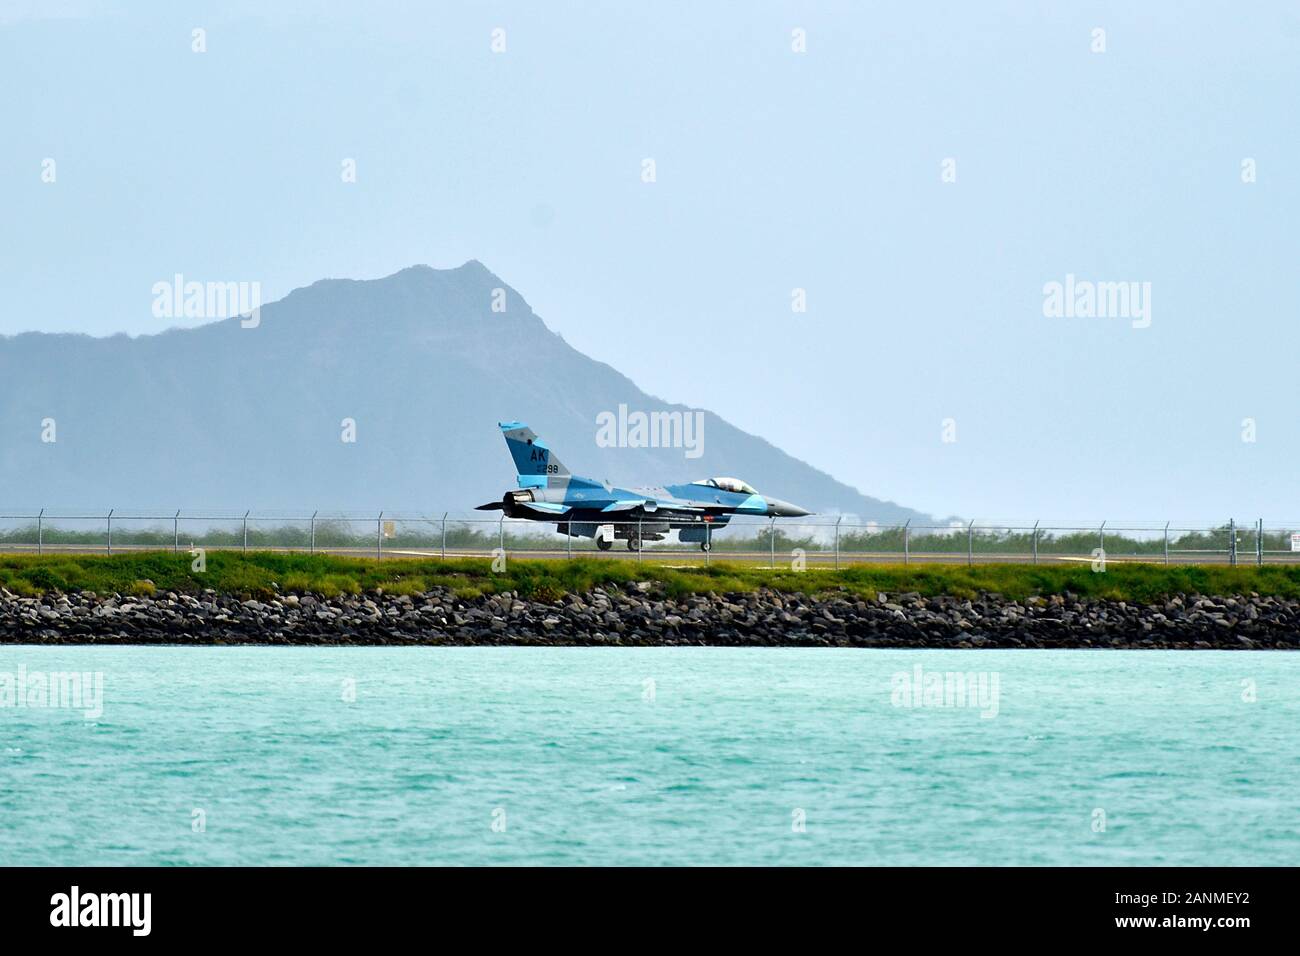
838 519
40 535
110 529
1036 523
708 541
1259 544
1166 542
245 532
176 532
379 537
772 539
907 542
640 541
970 544
1232 542
568 540
313 531
444 536
501 534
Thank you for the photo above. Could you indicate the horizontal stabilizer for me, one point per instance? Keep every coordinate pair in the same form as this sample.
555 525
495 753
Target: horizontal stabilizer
544 507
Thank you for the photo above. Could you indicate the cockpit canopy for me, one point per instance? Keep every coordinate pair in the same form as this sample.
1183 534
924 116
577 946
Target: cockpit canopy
730 484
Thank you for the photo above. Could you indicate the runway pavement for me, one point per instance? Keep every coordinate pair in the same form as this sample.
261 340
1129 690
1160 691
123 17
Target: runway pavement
692 556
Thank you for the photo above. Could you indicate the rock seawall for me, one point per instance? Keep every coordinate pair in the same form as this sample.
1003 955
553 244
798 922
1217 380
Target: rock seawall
641 616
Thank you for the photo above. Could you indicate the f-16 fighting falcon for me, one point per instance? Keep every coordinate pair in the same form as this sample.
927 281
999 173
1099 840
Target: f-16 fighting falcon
585 507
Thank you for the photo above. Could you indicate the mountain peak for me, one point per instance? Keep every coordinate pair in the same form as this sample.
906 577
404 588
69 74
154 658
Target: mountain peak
468 268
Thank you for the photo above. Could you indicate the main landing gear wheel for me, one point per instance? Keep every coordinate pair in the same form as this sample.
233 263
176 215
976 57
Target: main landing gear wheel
634 543
604 544
705 546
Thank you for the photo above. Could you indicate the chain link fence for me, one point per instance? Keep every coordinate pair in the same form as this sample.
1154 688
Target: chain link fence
821 541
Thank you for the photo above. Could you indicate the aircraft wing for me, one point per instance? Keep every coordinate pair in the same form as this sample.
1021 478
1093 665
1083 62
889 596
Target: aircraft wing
651 507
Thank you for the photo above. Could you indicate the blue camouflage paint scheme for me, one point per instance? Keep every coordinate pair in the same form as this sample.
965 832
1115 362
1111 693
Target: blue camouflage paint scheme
581 506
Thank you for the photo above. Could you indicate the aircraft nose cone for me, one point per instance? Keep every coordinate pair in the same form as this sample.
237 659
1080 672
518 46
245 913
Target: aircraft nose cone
783 509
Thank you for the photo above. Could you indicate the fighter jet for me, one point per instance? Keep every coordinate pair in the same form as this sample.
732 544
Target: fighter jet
587 508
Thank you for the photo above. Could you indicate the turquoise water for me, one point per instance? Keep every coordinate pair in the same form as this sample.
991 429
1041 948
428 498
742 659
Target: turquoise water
650 756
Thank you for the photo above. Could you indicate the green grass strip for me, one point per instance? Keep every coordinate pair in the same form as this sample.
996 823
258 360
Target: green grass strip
261 574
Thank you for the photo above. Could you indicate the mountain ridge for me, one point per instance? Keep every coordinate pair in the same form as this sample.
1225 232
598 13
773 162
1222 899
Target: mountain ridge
222 415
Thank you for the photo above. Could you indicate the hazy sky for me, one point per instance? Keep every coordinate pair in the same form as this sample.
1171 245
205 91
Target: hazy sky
775 170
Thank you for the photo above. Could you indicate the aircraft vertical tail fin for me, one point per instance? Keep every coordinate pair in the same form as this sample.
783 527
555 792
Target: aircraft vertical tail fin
532 456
